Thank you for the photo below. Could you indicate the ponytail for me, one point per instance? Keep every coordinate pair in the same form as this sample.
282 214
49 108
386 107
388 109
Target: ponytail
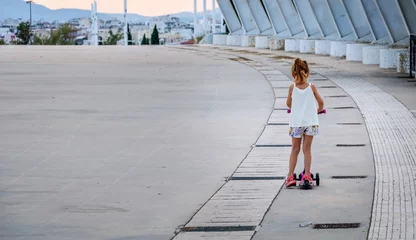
300 71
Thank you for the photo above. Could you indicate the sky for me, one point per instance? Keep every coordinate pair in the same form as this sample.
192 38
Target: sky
142 7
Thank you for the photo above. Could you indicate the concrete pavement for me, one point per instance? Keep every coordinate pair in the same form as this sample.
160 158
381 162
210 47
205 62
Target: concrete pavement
116 143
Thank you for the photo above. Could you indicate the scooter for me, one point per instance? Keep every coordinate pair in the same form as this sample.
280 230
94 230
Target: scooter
305 184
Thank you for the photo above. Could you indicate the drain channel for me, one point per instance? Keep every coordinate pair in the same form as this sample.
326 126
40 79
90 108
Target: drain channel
350 145
328 87
257 178
278 145
239 59
348 177
343 107
219 229
349 123
278 124
336 225
336 96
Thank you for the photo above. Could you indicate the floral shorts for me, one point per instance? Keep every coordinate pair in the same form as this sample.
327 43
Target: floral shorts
298 132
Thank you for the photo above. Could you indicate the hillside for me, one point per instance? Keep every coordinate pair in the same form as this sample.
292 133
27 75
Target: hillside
19 9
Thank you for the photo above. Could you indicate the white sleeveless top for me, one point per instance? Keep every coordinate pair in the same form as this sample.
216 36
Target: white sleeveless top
304 112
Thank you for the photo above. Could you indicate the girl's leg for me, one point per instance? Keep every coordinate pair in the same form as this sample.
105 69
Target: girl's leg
294 155
307 152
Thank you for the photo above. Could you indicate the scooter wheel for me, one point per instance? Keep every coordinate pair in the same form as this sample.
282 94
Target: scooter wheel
317 179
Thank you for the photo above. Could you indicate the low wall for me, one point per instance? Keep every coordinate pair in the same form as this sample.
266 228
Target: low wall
247 41
322 47
307 46
388 57
403 62
233 40
292 45
355 52
262 42
338 49
276 44
371 54
220 39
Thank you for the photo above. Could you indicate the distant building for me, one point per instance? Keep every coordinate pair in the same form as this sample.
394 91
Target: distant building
84 23
7 35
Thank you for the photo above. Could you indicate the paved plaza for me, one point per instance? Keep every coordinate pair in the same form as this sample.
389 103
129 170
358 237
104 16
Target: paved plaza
191 143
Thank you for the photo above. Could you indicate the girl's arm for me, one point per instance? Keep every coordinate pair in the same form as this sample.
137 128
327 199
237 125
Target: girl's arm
318 98
289 97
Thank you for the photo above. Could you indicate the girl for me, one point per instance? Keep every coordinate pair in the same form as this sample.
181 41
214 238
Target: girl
303 118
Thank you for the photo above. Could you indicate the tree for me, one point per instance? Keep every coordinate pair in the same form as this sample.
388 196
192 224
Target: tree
129 35
145 41
61 36
113 38
2 42
23 33
154 39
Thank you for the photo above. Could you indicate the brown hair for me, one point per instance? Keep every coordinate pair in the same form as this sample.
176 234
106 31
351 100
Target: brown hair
300 71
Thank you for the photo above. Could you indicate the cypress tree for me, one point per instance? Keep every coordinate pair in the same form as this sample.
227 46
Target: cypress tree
145 41
154 39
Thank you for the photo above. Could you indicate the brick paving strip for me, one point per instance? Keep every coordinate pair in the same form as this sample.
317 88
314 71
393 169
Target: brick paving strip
392 130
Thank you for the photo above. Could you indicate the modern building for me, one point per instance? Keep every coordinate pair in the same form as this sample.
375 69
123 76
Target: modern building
360 30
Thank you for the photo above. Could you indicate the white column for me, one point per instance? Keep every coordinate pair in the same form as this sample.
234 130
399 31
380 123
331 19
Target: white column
95 24
214 19
92 24
125 24
195 18
205 16
222 21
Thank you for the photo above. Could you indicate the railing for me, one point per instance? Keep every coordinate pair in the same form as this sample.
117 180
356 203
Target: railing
412 63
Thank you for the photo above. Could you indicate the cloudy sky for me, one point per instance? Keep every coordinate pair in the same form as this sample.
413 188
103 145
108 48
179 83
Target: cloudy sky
143 7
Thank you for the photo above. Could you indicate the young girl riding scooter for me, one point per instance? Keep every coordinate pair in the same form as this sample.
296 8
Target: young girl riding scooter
304 122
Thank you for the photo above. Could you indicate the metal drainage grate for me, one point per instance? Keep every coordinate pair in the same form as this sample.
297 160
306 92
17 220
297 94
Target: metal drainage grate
328 87
281 97
239 59
257 178
278 124
343 108
219 229
349 123
350 145
319 79
337 96
336 225
278 145
280 109
348 177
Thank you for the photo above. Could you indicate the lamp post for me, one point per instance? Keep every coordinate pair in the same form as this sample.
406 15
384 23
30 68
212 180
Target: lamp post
125 24
214 19
205 16
30 19
195 18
